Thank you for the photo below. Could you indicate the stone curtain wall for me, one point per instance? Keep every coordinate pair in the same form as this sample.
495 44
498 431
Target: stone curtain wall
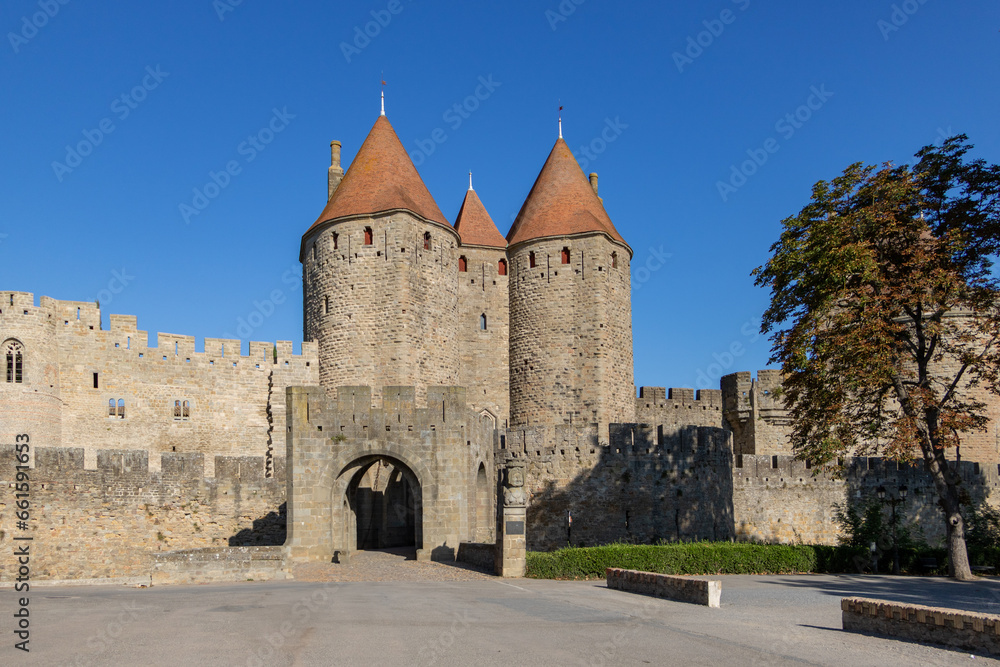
108 522
235 402
383 314
778 499
571 333
647 484
485 355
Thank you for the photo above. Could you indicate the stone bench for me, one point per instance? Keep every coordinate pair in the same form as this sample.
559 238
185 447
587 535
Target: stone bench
196 566
967 630
671 587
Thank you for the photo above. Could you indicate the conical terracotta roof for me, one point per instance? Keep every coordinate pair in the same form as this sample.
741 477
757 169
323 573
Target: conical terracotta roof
475 225
561 202
381 178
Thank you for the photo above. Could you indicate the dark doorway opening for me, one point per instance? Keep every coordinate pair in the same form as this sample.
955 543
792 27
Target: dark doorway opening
385 497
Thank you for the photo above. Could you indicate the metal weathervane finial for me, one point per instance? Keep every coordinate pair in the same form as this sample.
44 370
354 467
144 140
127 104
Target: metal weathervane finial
560 121
470 180
383 98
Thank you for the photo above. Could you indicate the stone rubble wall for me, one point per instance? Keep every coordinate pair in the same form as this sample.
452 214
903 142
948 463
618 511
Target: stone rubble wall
108 522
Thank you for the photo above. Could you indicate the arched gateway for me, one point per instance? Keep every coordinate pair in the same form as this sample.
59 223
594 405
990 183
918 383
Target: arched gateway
364 477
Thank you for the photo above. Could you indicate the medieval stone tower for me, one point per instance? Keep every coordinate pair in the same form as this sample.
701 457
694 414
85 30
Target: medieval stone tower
570 304
381 295
396 296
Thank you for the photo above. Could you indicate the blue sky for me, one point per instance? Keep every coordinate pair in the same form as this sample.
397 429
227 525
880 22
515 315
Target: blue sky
669 99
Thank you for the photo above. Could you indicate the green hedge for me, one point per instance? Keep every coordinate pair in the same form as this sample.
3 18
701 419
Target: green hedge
714 558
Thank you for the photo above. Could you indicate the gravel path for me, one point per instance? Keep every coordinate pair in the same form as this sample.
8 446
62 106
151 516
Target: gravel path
388 565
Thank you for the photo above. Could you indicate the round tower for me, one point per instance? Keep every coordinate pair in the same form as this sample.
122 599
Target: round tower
570 304
483 322
380 293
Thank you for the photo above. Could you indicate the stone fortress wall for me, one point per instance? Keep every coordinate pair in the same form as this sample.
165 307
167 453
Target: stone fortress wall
679 474
167 398
110 521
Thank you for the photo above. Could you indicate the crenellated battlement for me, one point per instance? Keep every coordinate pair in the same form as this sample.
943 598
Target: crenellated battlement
83 318
67 464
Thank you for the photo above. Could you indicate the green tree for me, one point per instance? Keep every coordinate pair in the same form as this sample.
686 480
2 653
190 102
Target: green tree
884 316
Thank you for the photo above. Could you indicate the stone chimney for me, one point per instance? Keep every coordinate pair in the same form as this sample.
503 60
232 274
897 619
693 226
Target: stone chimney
336 174
593 184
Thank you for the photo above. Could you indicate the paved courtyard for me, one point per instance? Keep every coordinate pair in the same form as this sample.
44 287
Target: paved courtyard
419 613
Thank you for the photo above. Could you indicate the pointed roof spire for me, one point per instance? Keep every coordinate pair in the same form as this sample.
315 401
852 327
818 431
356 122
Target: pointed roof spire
381 178
474 225
561 202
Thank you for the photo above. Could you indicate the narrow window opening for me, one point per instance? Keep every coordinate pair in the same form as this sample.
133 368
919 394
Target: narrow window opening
128 343
326 305
463 264
111 407
368 235
77 313
336 241
482 322
427 240
14 357
565 255
121 408
531 260
177 409
314 251
176 348
186 410
95 381
502 267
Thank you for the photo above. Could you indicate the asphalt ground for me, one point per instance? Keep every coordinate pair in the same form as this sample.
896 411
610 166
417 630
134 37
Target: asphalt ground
474 620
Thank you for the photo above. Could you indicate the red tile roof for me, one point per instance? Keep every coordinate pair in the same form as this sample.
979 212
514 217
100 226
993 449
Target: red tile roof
561 202
475 225
381 178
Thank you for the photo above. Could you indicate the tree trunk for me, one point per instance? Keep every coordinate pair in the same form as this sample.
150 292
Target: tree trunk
946 482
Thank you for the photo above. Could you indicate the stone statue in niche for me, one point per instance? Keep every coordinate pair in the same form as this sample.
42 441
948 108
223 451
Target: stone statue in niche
513 492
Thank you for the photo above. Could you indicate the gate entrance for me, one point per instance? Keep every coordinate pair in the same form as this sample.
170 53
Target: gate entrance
384 497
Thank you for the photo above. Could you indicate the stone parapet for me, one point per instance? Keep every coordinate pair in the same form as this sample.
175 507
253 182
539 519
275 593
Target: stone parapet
970 631
707 592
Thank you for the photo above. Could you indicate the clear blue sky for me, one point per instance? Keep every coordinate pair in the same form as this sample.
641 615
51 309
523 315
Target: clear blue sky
885 91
